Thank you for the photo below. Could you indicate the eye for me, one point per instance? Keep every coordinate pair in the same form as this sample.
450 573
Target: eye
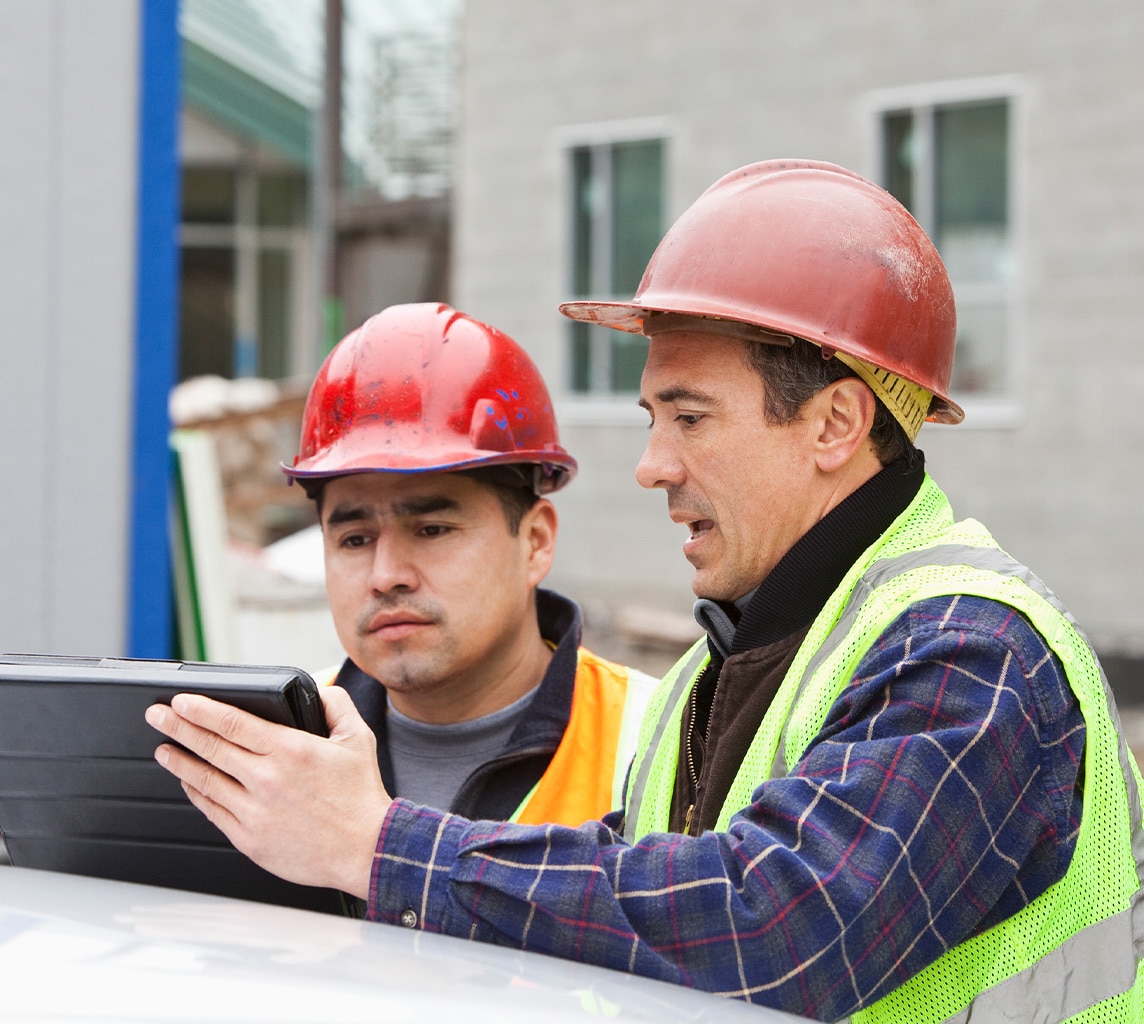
353 540
433 530
688 419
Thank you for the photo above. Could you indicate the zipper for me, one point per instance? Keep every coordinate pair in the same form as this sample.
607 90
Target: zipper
693 775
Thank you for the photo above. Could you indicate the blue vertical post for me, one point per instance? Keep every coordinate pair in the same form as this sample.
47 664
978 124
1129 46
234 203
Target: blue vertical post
149 623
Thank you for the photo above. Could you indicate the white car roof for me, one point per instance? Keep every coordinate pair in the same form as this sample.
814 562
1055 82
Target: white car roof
83 949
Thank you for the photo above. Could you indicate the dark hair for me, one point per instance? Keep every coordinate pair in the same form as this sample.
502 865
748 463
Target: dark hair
511 485
794 374
314 486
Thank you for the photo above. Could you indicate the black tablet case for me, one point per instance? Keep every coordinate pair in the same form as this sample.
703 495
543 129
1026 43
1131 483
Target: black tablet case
81 792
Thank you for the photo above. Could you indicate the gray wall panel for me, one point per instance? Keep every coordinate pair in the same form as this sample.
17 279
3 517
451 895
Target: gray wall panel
68 94
27 229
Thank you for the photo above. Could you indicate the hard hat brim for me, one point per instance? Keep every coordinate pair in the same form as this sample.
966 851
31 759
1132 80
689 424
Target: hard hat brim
558 469
624 316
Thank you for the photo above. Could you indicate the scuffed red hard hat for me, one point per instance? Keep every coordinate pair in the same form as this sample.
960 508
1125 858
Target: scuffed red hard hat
423 388
812 250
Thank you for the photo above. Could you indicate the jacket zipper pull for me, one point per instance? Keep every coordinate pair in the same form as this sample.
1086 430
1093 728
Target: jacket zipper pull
687 820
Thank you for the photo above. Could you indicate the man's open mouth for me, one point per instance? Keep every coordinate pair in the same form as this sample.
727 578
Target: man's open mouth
700 526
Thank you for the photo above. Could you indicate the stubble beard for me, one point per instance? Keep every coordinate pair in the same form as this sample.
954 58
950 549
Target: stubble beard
404 666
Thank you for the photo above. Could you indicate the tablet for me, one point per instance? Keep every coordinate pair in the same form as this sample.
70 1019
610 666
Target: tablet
81 792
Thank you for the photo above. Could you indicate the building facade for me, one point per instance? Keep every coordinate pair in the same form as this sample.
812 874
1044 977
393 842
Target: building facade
259 221
1016 136
144 140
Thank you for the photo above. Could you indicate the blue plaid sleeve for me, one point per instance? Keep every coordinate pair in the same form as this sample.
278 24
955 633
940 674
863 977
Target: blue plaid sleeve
940 796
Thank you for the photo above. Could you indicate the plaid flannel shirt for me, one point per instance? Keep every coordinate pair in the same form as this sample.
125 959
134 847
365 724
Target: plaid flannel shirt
940 797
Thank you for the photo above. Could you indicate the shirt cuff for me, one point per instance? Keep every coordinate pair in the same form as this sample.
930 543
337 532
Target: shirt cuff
416 850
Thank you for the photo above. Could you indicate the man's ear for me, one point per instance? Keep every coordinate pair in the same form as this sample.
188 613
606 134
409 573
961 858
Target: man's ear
538 534
842 415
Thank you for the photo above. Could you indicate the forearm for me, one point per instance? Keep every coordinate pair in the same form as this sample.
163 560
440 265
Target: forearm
782 916
893 840
576 893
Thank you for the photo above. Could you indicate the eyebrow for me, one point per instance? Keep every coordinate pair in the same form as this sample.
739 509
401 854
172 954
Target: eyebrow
425 506
341 514
680 393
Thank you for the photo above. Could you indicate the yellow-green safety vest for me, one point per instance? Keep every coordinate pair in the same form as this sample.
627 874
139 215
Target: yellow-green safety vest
1076 953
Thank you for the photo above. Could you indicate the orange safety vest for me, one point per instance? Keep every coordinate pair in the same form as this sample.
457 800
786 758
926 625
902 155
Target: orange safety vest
585 778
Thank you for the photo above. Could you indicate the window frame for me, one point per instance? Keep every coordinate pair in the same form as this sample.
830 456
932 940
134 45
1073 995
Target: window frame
600 403
1003 409
249 240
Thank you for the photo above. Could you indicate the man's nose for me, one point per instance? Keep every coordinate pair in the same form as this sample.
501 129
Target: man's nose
658 466
392 567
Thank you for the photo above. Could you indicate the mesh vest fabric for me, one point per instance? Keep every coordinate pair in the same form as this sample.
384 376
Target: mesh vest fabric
1067 950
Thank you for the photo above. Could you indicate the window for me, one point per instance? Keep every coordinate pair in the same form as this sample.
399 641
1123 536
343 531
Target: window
243 265
946 154
616 217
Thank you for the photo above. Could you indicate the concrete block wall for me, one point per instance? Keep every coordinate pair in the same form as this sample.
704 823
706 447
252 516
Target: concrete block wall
739 80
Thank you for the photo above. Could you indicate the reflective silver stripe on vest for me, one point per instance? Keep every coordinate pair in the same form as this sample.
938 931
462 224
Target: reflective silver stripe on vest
639 786
882 572
1096 963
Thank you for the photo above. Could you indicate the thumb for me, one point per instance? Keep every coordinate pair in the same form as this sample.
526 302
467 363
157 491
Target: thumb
342 718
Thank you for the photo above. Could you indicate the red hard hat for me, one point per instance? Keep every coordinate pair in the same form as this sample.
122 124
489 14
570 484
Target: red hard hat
809 249
422 388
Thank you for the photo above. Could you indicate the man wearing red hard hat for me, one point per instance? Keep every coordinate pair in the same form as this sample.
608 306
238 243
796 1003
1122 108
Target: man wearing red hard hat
430 445
888 785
